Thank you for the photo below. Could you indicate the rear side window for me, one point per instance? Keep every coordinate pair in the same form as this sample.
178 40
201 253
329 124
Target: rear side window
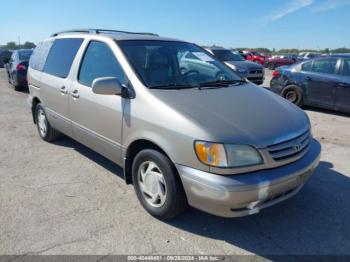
306 66
99 61
325 66
346 67
38 58
25 55
61 56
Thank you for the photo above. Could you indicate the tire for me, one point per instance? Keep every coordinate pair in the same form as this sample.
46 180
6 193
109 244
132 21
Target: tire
157 185
17 87
271 66
294 95
8 77
46 132
14 83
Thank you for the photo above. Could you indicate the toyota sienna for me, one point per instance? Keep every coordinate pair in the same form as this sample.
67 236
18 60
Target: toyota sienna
184 134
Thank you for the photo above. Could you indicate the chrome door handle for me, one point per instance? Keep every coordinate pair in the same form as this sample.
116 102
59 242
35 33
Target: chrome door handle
63 90
75 94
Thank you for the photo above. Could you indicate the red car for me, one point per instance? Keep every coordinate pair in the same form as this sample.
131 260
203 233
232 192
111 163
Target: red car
279 60
253 56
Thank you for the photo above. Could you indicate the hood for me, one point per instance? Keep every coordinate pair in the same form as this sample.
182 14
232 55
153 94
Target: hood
244 114
245 64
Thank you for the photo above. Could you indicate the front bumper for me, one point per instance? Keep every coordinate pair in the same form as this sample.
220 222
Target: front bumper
246 194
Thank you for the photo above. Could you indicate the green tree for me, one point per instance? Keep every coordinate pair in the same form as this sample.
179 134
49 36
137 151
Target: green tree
11 46
28 45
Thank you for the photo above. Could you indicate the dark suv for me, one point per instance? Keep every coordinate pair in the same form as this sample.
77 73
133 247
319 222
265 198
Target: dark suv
322 82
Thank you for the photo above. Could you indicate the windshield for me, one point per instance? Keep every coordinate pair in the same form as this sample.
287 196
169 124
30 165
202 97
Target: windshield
227 55
169 64
25 55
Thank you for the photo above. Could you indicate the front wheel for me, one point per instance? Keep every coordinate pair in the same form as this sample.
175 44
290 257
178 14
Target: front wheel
45 130
158 185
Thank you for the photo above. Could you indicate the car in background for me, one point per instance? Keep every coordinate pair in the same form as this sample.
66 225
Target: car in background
252 71
279 60
17 66
4 57
253 56
321 82
308 55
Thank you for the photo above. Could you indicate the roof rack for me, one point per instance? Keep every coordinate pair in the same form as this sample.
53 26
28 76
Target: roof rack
99 31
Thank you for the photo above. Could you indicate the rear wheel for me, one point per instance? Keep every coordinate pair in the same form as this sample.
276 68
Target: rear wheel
45 130
158 185
271 66
14 82
294 95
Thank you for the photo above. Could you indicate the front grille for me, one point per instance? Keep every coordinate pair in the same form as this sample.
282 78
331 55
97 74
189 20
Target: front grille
255 72
292 148
255 78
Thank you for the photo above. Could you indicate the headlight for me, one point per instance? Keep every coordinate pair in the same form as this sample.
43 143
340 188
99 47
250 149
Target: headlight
225 155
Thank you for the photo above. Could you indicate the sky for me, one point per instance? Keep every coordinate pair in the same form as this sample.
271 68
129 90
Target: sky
314 24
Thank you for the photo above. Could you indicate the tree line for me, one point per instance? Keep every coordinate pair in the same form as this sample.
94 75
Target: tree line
296 51
290 50
15 46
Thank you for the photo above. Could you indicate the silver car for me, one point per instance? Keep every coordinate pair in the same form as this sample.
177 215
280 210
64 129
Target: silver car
254 72
184 134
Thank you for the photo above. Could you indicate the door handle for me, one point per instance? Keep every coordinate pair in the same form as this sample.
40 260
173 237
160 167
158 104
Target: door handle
308 78
75 94
63 90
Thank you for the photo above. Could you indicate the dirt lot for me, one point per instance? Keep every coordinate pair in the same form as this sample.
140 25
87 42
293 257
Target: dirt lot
63 198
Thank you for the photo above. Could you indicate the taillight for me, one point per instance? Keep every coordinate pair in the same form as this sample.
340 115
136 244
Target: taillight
276 73
20 67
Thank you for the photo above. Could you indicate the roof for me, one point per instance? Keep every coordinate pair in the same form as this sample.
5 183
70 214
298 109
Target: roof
22 50
217 48
116 34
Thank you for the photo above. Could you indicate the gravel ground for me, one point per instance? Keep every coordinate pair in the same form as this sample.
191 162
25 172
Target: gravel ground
63 198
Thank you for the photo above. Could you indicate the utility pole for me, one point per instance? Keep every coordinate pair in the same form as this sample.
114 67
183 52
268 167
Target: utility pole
19 41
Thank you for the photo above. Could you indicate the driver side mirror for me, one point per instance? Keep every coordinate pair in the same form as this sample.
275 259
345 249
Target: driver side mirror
107 86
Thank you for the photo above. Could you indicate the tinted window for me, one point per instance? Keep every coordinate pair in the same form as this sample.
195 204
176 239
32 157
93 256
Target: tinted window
313 55
99 61
227 55
25 55
61 56
306 66
38 58
325 66
346 67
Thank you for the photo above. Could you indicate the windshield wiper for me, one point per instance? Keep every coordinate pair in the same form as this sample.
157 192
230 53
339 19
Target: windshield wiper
173 86
221 83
